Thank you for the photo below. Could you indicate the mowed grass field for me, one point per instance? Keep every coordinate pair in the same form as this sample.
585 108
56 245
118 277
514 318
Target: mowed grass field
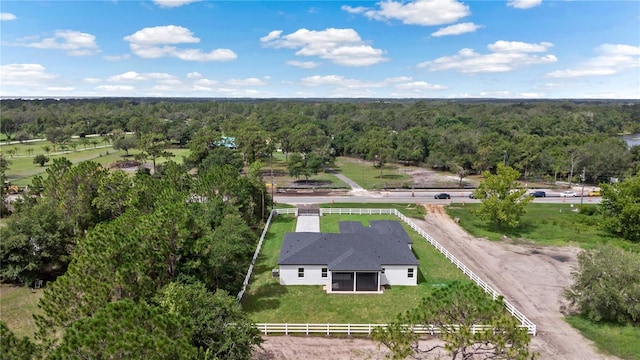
22 169
268 301
368 176
545 224
17 306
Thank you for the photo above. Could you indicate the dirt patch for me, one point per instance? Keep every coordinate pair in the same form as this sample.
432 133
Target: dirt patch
531 277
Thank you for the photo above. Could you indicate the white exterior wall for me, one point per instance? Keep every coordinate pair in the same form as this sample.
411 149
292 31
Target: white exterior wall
312 275
397 275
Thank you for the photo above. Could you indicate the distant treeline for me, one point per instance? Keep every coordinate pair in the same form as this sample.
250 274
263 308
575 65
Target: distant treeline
543 139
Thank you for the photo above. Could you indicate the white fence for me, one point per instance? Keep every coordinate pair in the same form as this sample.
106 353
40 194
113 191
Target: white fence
340 328
348 329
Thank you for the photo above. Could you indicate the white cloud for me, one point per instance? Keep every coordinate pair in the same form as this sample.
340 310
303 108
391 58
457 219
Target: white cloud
155 42
24 75
340 46
60 89
502 46
158 35
116 88
5 16
271 36
612 59
205 82
505 56
342 86
117 57
524 4
304 64
246 82
456 29
419 12
75 43
173 3
419 86
194 75
130 76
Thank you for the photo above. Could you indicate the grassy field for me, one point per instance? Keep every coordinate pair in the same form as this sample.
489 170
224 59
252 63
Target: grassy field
546 224
367 176
268 301
622 341
22 169
17 304
556 224
282 179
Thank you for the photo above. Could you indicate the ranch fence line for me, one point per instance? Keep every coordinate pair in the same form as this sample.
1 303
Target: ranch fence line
350 329
298 328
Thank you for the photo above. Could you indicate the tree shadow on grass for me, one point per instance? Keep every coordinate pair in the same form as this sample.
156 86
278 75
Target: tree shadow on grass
265 297
524 227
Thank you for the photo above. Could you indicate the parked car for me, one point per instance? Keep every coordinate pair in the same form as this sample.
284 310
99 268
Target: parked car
442 196
568 194
536 194
594 193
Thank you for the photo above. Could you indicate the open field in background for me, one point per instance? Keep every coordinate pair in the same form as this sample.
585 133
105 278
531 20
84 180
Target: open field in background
367 176
17 306
22 169
268 301
544 224
281 177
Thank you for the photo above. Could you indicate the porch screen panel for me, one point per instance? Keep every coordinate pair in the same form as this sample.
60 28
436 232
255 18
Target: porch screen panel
342 281
366 281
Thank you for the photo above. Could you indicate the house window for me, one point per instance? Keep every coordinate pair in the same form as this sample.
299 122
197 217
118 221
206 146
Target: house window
410 273
324 272
300 272
382 270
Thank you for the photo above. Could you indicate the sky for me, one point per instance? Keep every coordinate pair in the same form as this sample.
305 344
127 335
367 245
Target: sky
525 49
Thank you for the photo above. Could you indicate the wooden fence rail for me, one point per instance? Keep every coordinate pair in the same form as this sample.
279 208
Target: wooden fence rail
349 329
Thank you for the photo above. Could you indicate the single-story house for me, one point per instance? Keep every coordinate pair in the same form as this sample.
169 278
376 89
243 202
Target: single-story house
358 259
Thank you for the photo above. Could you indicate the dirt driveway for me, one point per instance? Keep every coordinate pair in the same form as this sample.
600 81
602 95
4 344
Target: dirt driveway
531 277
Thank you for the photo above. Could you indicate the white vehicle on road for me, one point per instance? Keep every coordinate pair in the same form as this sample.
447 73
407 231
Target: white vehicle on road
568 194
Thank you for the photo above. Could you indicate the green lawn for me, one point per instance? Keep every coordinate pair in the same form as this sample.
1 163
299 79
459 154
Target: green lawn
622 341
22 169
545 224
17 305
367 176
282 179
268 301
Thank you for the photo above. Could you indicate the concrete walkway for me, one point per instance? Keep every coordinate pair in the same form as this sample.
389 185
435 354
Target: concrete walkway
308 223
354 186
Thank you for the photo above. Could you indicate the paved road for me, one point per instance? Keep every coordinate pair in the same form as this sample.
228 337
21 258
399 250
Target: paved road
422 197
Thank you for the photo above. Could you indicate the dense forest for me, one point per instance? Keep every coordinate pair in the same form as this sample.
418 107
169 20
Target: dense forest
546 140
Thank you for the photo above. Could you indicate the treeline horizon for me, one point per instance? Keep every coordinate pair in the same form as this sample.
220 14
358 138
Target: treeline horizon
543 139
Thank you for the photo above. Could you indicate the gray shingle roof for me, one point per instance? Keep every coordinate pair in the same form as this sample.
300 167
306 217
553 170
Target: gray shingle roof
356 247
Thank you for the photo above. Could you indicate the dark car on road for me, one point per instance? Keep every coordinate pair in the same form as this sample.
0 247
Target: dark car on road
538 194
442 196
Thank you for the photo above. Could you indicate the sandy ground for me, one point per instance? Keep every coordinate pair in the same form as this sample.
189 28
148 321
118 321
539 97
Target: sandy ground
531 277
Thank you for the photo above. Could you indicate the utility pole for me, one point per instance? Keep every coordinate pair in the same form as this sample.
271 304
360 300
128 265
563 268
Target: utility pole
582 178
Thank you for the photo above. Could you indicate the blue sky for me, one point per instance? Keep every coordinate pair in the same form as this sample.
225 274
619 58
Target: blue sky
321 49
